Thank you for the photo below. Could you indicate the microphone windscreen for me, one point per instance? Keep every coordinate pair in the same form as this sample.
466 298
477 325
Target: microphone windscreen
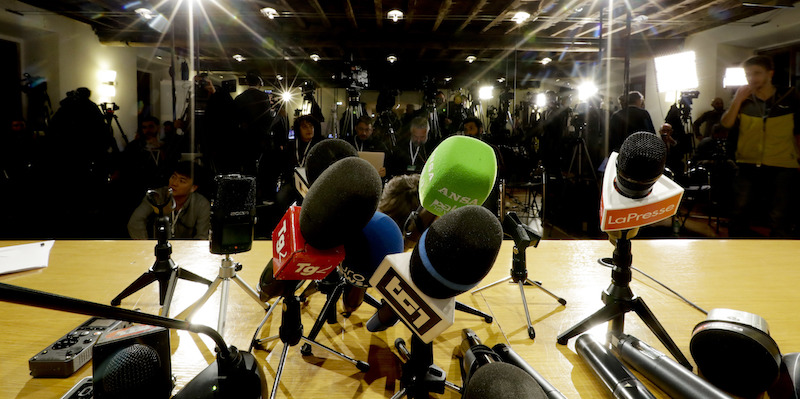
341 203
460 171
456 252
640 163
502 380
132 372
269 287
365 252
324 154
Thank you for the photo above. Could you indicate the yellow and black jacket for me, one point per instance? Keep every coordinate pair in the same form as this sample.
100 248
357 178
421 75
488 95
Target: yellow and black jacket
764 131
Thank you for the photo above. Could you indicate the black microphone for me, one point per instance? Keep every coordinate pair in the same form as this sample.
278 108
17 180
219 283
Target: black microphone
269 287
474 354
617 377
416 223
667 374
640 163
324 154
509 356
234 374
340 203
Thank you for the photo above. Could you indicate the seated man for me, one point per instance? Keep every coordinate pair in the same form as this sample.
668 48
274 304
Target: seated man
191 216
364 140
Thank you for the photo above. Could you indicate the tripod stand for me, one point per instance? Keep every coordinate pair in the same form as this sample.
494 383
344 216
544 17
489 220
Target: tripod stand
351 114
419 375
523 237
291 332
164 269
227 271
109 115
579 150
619 299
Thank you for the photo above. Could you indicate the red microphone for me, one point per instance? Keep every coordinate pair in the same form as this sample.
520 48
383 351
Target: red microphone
294 259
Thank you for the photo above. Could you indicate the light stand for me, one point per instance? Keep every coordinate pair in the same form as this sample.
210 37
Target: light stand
419 375
523 237
227 271
164 269
619 299
291 332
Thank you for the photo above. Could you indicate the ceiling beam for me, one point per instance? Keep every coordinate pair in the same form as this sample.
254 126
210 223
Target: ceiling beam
443 9
325 21
410 11
501 16
300 22
379 13
476 8
348 8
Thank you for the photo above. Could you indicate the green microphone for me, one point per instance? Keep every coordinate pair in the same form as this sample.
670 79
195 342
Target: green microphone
461 171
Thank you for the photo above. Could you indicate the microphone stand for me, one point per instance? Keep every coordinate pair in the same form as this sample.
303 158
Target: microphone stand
332 286
291 332
523 237
234 374
619 299
419 375
164 269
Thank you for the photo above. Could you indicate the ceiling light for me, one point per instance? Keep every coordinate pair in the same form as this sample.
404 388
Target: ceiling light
145 13
279 77
392 59
579 9
315 57
395 15
159 57
546 60
501 80
521 17
471 58
269 12
448 78
238 57
541 100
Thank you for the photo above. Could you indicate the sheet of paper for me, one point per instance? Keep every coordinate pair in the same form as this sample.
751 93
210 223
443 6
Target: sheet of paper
17 258
374 158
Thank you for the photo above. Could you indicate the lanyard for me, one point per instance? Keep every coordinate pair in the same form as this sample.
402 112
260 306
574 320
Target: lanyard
301 162
414 155
355 141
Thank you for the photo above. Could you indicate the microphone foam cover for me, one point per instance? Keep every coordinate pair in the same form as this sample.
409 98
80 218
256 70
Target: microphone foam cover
461 248
640 163
460 171
365 252
132 372
502 380
324 154
341 203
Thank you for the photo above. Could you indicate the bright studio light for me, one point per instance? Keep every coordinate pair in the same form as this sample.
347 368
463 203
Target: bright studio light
541 100
586 90
676 72
734 77
485 93
286 96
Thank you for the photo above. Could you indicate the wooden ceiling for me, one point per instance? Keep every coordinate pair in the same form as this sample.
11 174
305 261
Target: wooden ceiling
430 42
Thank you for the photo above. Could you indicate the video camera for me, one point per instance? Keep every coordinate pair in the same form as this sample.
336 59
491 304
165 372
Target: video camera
685 104
108 108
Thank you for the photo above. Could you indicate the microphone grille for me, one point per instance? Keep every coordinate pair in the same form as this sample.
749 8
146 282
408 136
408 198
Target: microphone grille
132 372
640 163
502 380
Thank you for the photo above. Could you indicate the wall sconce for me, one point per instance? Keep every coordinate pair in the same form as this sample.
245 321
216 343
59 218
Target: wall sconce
108 81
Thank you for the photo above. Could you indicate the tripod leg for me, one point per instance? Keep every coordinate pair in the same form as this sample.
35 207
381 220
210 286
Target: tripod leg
539 284
223 307
371 301
250 291
363 366
255 341
491 285
192 309
469 309
604 314
588 158
644 312
187 275
173 281
278 373
330 303
141 282
531 331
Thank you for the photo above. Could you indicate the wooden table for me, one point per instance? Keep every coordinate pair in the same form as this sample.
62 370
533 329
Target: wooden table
757 276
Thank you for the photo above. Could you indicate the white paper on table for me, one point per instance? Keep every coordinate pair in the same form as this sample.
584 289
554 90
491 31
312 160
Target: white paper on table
17 258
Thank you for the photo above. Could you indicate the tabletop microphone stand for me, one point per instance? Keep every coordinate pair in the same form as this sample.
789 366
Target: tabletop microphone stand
291 332
419 375
164 269
619 299
523 237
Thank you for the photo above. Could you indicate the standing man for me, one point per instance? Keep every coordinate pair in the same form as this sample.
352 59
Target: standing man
630 119
764 121
710 118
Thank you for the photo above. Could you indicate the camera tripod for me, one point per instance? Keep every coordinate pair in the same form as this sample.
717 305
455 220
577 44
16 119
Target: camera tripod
419 375
619 299
291 333
227 271
523 237
351 114
164 269
435 131
579 150
109 115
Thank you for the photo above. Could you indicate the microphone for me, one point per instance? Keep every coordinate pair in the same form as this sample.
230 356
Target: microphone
510 356
635 192
460 171
269 287
308 241
234 374
667 374
618 379
320 157
474 354
364 253
162 206
416 223
453 255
